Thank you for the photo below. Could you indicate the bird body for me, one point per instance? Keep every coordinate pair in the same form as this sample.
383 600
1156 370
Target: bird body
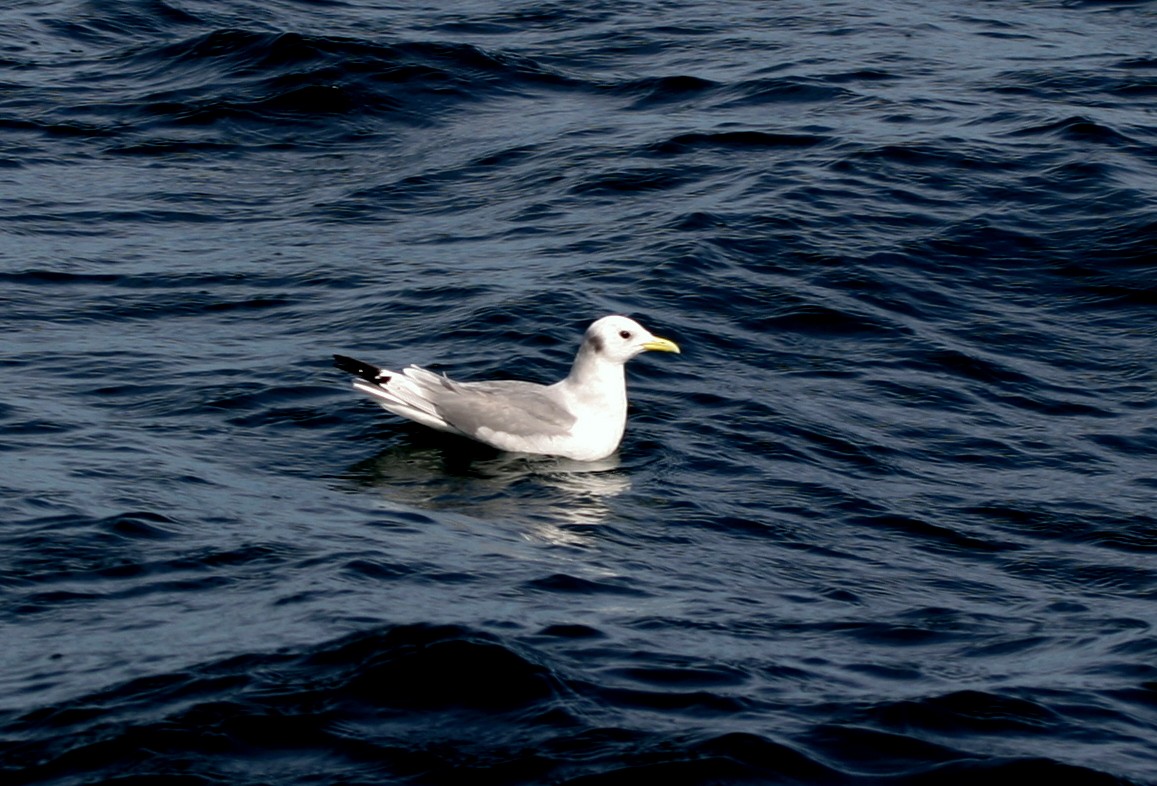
581 417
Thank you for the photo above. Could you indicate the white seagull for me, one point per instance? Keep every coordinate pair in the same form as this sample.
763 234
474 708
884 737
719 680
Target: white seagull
581 418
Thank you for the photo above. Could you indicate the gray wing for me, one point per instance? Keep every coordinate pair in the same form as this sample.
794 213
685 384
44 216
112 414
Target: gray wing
521 409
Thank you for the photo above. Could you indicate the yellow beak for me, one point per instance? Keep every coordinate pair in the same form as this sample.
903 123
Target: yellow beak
657 344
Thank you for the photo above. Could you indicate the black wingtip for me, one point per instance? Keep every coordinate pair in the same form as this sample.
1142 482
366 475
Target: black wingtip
360 369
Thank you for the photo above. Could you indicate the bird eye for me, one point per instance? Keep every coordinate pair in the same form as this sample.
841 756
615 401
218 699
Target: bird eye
625 334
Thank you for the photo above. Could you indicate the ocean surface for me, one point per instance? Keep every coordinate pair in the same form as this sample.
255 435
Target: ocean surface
890 519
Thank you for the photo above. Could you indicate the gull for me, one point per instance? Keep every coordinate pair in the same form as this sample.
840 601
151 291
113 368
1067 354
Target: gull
581 418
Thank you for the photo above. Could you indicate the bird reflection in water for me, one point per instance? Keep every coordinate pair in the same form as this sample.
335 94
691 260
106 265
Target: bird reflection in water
549 499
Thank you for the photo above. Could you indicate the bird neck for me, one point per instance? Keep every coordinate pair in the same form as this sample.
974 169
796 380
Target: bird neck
592 372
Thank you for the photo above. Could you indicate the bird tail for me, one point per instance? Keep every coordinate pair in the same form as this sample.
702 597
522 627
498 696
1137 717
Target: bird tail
366 371
395 392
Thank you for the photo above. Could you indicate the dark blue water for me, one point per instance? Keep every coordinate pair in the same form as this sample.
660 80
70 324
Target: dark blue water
890 519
